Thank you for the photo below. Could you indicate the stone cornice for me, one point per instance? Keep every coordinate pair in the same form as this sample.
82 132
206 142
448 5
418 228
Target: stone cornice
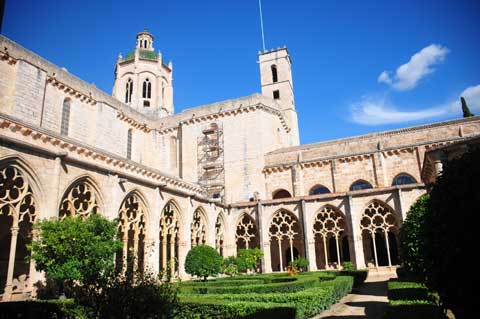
37 138
386 152
136 124
232 112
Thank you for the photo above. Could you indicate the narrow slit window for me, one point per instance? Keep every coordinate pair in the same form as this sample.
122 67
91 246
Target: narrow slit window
64 125
129 144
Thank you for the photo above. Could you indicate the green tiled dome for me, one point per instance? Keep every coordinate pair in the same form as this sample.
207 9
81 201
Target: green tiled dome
144 54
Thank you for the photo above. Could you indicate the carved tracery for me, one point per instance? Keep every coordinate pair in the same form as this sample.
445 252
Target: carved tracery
132 227
80 200
219 235
246 232
18 207
199 228
378 219
284 225
329 223
169 237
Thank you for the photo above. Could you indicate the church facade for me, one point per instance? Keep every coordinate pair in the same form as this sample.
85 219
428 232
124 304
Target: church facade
230 175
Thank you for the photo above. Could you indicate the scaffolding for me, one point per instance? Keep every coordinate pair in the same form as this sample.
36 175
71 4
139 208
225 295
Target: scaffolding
210 156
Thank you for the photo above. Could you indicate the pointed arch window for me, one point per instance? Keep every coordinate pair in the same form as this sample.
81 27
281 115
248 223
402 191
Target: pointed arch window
64 125
147 89
128 91
274 74
129 144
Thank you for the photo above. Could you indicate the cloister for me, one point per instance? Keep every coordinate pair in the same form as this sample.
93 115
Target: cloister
322 232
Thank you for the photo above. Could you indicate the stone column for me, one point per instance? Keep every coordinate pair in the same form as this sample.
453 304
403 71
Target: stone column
184 244
212 218
357 242
307 237
11 258
261 235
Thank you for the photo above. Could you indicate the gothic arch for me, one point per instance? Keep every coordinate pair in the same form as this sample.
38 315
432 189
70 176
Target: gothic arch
19 209
170 234
246 234
133 222
285 229
379 226
81 197
220 227
199 227
330 230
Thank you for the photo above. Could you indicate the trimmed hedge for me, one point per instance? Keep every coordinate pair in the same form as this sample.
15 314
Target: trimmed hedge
408 299
359 276
405 290
414 309
305 303
42 309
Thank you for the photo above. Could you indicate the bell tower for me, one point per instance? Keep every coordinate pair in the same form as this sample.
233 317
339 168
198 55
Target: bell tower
143 80
277 84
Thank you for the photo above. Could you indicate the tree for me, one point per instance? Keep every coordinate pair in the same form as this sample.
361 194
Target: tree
77 251
248 259
451 230
203 261
412 238
465 109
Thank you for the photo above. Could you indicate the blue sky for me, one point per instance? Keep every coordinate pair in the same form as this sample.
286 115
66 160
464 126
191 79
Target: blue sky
358 66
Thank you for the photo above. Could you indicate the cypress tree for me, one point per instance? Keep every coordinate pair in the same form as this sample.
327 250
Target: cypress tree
465 109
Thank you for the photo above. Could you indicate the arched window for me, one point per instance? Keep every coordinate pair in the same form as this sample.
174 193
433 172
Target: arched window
319 189
284 233
360 184
147 89
281 193
65 117
274 74
128 91
129 144
402 179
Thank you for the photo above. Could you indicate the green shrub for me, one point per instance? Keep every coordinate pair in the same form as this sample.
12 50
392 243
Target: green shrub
300 304
348 266
450 232
300 263
248 259
412 239
203 261
73 251
43 309
359 276
406 290
413 309
229 266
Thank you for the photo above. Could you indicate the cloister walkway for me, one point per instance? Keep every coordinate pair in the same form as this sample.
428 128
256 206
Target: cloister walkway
369 301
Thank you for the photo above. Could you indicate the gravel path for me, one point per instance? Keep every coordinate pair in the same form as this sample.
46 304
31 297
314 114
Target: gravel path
369 301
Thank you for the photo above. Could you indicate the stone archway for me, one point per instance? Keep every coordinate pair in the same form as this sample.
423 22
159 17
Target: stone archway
18 212
199 228
219 235
378 225
284 232
246 235
170 238
132 229
330 231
